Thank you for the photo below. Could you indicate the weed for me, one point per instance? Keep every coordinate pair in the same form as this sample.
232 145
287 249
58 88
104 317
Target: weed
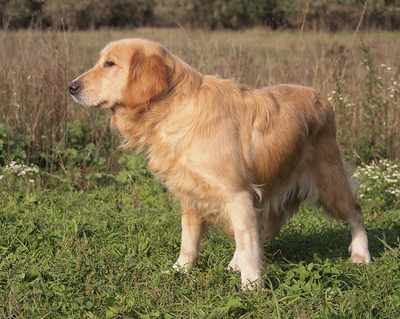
380 184
13 147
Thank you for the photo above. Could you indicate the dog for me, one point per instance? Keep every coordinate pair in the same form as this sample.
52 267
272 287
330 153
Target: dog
234 156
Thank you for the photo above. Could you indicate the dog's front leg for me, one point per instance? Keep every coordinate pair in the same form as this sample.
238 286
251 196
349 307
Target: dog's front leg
248 254
193 229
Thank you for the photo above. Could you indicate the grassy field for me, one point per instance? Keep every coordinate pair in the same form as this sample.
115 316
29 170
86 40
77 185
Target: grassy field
87 232
101 252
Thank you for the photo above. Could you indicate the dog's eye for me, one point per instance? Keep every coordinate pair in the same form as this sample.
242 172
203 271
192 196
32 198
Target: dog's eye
108 64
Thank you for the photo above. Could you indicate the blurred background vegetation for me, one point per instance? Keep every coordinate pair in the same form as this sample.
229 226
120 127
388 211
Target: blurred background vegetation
318 15
45 44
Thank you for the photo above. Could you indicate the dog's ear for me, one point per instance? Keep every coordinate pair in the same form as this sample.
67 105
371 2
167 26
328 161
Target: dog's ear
147 79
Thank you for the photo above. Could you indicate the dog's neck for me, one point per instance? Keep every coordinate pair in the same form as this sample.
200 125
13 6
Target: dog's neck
139 123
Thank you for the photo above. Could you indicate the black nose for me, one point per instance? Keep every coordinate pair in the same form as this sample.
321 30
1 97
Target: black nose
74 87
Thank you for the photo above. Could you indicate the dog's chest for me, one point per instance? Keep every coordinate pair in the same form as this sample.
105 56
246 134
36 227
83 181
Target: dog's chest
189 167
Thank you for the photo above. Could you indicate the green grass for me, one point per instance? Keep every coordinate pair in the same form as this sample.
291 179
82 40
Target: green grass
100 252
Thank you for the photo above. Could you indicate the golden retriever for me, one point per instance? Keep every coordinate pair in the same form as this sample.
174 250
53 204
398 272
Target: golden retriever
233 155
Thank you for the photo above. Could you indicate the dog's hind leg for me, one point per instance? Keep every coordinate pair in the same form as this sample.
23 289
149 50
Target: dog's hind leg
193 230
273 220
337 198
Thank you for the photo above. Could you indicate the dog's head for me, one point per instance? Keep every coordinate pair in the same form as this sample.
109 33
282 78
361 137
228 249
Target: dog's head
129 73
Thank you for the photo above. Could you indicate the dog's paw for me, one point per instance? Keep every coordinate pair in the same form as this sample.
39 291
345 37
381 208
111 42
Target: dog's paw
234 268
234 264
253 285
359 255
363 258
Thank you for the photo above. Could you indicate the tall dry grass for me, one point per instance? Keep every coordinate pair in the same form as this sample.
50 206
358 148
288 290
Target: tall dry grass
361 79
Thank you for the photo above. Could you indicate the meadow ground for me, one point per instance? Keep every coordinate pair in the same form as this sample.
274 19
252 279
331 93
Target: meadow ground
101 252
87 231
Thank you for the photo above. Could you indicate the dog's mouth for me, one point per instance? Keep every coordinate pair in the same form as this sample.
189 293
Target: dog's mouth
89 99
101 105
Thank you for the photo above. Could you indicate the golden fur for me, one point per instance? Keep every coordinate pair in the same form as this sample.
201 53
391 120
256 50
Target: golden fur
232 154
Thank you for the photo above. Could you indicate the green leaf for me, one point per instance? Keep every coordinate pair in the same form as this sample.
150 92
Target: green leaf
234 303
110 302
88 305
114 309
75 305
155 313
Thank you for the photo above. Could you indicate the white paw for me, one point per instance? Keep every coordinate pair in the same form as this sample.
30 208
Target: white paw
253 285
234 264
359 254
232 269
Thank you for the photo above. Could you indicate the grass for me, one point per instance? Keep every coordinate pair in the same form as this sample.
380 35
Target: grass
100 252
